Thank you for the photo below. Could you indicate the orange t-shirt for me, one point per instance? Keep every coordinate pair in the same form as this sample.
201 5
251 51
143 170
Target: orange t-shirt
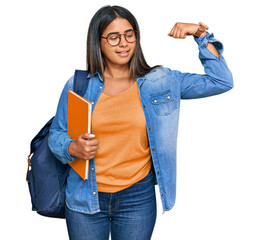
123 157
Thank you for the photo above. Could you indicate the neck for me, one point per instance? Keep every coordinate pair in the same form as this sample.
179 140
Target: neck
117 72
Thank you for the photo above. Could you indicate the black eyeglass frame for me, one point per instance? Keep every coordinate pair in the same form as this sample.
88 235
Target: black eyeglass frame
137 34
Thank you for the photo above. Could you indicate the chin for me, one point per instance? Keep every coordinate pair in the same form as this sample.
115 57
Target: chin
118 60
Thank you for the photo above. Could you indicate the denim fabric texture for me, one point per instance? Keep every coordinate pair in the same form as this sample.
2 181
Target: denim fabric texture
160 92
129 214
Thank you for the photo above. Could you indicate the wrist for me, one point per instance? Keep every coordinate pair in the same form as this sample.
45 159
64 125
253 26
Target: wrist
72 148
201 30
204 33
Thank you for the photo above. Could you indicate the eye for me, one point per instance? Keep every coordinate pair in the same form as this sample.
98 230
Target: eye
129 35
113 37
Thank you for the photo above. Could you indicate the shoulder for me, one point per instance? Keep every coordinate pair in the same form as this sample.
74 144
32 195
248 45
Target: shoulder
157 73
69 83
163 73
78 74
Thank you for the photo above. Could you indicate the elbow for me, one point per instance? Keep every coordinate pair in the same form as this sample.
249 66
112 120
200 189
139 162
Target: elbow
50 145
230 82
225 86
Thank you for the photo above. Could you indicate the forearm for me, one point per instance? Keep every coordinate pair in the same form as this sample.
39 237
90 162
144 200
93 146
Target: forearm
59 142
211 47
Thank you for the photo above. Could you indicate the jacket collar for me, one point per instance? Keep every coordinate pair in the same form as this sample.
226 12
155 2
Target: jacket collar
95 74
139 80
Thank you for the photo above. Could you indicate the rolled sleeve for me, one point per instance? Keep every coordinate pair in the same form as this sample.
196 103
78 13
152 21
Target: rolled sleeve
209 38
67 156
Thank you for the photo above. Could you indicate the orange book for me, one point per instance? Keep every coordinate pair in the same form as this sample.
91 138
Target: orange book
79 122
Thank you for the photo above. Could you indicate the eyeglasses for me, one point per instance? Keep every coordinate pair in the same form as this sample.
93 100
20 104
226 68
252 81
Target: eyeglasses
113 39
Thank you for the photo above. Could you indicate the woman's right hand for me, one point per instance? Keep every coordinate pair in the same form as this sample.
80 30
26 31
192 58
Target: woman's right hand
85 147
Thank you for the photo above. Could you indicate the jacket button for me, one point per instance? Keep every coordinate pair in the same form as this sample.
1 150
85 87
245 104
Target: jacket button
144 106
169 97
158 172
162 194
100 87
155 101
153 149
94 193
150 129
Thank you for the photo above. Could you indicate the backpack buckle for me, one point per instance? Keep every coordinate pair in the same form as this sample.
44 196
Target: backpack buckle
28 165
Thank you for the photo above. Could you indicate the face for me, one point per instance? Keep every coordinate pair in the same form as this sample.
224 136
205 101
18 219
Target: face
122 53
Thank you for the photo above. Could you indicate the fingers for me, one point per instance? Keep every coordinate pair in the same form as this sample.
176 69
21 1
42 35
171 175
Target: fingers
178 31
172 31
87 136
88 152
177 34
92 147
88 139
204 25
86 146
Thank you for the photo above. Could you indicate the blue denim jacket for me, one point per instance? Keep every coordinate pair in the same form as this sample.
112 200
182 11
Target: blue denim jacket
160 92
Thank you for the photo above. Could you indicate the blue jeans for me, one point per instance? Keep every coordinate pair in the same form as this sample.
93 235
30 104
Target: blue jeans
129 214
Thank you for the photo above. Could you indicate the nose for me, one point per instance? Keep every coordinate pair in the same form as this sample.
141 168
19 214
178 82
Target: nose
123 42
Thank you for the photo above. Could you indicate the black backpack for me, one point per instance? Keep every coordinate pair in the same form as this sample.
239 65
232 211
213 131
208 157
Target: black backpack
46 175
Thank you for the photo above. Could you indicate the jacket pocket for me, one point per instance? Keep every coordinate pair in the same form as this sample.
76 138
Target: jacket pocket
163 103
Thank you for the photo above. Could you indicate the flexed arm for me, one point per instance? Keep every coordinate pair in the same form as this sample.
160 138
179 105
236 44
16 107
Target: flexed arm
217 78
181 30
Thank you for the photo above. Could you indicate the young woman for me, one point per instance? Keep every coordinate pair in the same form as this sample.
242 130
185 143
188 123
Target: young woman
135 121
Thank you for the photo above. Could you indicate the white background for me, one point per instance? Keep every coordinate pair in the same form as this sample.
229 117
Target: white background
43 42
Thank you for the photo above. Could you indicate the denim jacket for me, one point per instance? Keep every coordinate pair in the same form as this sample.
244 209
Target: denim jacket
160 93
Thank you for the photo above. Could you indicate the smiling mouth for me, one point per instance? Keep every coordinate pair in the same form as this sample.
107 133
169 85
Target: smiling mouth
123 54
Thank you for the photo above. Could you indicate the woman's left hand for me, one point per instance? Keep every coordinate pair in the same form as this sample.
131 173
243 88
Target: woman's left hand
181 30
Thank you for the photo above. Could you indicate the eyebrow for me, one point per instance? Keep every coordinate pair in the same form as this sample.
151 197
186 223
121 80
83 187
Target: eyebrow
118 32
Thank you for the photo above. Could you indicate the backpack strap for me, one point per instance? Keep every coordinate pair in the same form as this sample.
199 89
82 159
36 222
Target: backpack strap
80 82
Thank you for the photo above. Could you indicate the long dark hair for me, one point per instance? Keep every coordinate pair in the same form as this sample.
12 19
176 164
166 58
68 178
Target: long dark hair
95 59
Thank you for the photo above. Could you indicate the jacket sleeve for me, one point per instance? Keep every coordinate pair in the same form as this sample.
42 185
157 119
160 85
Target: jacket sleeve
217 78
59 140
